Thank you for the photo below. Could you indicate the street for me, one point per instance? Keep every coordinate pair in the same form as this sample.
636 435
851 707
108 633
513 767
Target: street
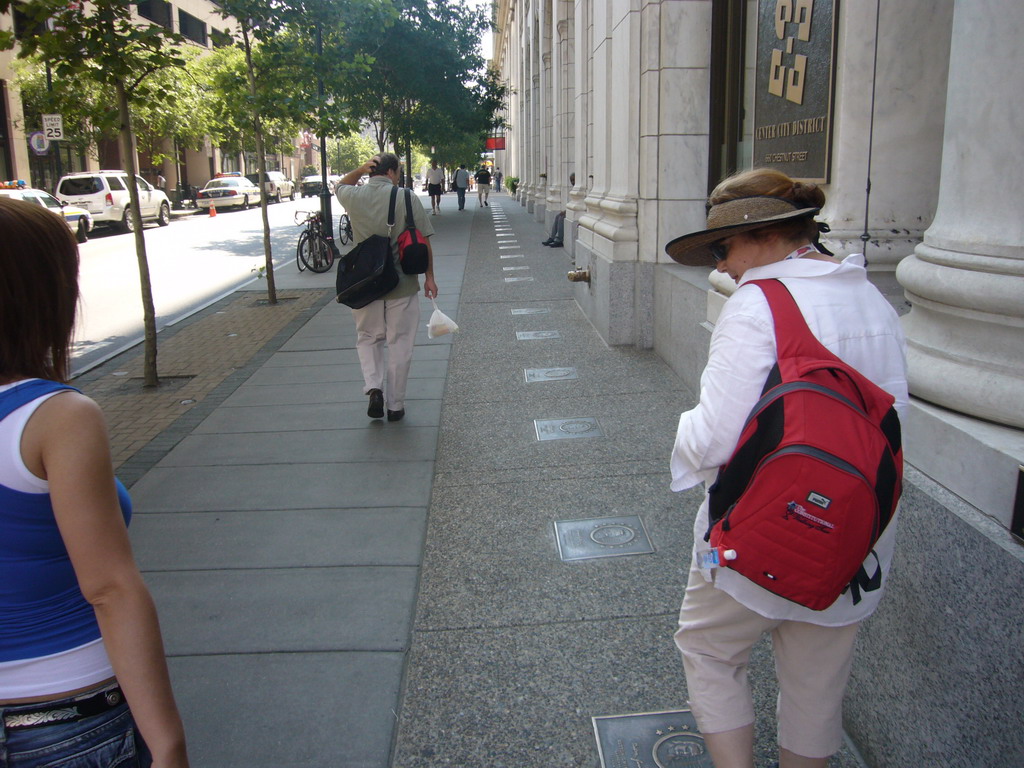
192 262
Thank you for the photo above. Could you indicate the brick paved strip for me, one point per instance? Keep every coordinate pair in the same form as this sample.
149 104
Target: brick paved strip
201 361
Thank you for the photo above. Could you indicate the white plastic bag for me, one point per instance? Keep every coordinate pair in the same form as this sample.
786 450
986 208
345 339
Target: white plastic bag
440 323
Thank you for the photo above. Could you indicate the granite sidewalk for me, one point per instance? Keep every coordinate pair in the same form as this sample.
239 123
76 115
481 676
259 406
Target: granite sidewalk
337 591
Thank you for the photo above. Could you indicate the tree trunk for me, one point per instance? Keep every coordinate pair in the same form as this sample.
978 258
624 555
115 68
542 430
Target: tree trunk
408 162
149 372
261 164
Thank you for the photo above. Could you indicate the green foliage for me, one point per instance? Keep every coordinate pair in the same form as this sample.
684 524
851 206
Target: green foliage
349 152
105 44
427 84
511 182
289 69
85 106
223 80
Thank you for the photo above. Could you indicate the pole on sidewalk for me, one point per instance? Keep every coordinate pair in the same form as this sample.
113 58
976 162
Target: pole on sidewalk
325 192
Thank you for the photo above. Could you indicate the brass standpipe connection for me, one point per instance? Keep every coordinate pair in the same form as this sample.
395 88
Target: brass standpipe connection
579 276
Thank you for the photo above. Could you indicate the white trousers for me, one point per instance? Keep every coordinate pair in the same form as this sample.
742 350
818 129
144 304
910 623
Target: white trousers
393 323
812 665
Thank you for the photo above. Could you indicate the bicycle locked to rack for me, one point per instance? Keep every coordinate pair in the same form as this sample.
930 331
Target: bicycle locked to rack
313 250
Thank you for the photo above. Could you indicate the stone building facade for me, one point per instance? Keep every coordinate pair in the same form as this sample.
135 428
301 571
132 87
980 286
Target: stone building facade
651 102
194 19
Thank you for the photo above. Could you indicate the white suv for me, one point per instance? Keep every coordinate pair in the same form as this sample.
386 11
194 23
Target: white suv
276 186
104 194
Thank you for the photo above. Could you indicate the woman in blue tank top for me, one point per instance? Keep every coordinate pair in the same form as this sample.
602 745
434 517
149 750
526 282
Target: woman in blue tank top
83 678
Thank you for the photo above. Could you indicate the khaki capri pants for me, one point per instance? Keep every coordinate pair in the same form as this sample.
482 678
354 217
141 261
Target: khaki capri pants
812 663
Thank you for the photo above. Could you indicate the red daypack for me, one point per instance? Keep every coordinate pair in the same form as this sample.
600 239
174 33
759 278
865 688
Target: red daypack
816 475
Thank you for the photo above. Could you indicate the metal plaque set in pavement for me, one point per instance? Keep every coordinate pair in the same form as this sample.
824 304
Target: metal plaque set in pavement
602 537
651 740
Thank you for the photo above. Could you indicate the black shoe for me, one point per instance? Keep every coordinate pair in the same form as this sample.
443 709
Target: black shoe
487 204
376 409
556 243
549 241
396 415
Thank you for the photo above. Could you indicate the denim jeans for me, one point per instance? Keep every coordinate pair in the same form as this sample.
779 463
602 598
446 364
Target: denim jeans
461 192
106 740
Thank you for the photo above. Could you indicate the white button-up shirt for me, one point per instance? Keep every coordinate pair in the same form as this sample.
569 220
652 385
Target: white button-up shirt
854 321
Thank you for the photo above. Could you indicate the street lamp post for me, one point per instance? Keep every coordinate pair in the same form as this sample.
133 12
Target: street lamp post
56 146
325 192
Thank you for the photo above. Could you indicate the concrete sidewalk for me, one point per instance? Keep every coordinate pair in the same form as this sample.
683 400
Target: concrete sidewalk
336 591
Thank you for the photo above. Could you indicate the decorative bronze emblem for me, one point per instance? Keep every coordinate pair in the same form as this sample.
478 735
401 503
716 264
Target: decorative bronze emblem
651 740
602 537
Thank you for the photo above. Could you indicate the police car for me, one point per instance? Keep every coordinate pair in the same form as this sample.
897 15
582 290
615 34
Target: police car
78 219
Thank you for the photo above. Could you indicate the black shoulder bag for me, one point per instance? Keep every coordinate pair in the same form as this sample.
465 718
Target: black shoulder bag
367 272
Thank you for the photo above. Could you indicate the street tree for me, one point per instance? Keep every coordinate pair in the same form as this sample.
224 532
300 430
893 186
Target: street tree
429 86
285 71
103 42
184 116
350 151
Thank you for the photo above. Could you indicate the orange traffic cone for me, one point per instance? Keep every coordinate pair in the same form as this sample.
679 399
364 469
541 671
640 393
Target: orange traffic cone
213 211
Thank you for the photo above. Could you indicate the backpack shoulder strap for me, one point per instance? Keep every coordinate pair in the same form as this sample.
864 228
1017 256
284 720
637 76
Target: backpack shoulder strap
410 222
391 208
792 336
26 392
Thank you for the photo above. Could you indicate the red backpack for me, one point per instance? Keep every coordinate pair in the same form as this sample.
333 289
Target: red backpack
816 475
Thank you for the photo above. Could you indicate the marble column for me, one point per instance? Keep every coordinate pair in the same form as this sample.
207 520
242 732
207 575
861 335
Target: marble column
905 148
965 282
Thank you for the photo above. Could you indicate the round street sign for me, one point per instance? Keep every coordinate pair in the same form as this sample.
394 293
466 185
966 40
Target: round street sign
39 143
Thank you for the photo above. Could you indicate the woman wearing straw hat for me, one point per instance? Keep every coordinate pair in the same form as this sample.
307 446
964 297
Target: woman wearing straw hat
760 225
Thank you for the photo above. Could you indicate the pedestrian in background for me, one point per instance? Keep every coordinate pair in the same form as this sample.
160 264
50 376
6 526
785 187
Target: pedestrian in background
483 185
461 184
760 225
435 178
497 180
393 319
83 679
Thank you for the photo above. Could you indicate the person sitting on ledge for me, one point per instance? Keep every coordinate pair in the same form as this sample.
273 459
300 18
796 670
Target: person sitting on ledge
558 225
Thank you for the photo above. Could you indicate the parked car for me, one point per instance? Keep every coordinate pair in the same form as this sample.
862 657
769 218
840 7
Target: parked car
311 185
225 191
276 186
104 194
78 219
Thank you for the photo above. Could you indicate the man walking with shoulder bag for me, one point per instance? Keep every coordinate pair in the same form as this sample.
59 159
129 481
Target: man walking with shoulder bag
393 319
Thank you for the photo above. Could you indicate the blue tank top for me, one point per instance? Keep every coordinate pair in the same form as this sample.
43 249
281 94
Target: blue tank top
42 610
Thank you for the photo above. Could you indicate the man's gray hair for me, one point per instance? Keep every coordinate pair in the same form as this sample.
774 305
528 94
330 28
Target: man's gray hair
386 162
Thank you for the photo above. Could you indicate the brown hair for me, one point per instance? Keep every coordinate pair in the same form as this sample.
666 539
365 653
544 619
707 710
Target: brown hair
38 291
771 183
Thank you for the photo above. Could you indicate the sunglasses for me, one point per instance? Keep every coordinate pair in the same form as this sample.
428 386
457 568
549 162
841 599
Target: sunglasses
719 251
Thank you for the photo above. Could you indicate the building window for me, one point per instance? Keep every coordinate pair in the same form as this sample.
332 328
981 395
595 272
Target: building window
157 11
733 55
191 27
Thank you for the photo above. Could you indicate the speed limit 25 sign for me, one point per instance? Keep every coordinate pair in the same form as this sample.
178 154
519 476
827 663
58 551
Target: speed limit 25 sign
53 127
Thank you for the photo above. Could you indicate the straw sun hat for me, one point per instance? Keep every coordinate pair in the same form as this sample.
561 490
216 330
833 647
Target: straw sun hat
731 218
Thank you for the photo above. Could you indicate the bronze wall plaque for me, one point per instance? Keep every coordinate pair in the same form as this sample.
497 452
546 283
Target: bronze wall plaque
794 84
